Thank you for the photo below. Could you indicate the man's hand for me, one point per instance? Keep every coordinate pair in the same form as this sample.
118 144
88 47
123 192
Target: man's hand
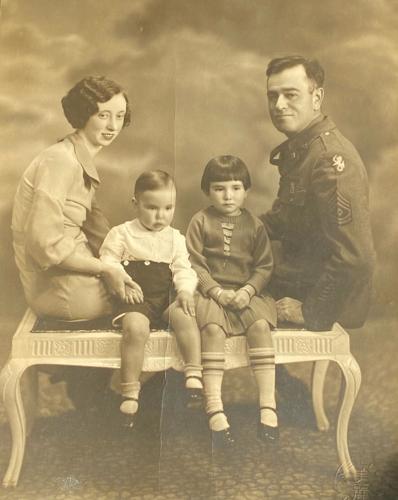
240 301
117 279
133 295
289 309
186 301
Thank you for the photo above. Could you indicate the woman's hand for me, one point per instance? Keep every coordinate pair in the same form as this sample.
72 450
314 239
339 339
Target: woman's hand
117 279
241 300
186 301
133 295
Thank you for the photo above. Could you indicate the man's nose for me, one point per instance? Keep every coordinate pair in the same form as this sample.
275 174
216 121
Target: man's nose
281 102
227 194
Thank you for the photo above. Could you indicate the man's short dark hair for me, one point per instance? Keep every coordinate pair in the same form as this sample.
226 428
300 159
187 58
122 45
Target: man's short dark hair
82 100
312 67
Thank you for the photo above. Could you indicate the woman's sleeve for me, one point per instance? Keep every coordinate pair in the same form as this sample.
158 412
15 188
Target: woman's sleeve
262 259
184 277
45 236
95 227
195 238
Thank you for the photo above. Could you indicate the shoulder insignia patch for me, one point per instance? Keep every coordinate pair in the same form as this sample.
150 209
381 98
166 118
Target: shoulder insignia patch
338 163
340 209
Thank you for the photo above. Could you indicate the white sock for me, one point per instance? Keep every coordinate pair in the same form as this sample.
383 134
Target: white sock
130 390
262 360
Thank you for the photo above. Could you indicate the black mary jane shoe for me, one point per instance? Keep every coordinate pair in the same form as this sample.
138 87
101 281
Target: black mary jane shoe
222 440
267 433
193 396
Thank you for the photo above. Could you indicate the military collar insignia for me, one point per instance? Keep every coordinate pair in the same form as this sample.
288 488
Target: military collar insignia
84 157
294 147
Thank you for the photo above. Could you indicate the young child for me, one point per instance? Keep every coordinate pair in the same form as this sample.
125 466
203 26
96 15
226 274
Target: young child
231 255
155 256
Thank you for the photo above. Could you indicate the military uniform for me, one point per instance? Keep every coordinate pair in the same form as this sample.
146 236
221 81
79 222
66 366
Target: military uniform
321 218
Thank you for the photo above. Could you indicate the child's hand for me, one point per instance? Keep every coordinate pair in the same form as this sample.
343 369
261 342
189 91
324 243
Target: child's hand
225 297
134 295
240 301
186 301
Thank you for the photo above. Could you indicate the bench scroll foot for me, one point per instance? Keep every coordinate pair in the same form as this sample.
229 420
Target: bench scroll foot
10 389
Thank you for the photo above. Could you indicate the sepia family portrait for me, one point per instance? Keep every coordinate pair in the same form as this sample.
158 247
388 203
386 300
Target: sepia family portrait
198 267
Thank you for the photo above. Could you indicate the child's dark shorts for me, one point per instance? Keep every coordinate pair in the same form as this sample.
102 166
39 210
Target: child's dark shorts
156 281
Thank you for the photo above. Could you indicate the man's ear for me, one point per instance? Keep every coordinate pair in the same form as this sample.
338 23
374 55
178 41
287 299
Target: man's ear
134 201
317 98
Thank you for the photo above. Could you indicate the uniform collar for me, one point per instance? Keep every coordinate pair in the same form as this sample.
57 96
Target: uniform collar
291 149
83 157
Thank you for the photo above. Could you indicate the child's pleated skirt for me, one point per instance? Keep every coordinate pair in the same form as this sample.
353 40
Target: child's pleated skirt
235 322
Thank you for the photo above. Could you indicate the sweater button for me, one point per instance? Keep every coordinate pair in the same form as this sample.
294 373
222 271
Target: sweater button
146 263
125 262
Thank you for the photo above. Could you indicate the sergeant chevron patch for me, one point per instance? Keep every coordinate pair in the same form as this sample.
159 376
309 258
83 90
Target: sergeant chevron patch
340 209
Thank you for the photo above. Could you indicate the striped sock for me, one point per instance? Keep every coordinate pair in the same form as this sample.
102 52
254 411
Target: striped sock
213 372
193 376
262 360
131 391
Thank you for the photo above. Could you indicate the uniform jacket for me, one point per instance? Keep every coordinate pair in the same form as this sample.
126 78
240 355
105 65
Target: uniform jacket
321 217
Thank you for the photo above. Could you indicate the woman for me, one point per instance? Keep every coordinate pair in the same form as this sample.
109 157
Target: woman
57 225
58 228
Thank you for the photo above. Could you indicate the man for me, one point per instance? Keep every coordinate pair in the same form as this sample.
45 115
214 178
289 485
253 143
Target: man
324 265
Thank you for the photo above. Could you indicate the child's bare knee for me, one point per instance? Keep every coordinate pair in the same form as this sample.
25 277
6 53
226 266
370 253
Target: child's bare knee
212 332
260 332
135 328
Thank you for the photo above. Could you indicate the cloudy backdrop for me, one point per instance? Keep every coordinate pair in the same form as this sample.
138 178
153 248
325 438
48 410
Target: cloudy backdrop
194 71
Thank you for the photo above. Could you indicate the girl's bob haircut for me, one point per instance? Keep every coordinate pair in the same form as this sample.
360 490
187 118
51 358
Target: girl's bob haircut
152 181
225 168
82 100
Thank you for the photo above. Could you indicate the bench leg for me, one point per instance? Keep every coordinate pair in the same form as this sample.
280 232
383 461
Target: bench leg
352 377
11 392
30 394
319 370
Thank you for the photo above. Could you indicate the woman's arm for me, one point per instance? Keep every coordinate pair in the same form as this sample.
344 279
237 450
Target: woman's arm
45 238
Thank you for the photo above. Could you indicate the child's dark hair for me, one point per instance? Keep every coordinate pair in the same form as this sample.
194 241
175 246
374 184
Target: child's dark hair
151 181
225 168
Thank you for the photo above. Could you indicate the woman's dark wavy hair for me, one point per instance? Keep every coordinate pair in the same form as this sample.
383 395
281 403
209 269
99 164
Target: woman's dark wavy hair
225 168
82 100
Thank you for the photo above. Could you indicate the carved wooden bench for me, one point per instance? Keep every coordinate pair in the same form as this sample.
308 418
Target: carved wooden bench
100 348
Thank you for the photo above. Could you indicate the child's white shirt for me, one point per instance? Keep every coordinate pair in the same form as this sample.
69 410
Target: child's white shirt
132 241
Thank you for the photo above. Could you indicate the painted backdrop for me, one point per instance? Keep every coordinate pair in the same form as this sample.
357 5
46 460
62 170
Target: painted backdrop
195 74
